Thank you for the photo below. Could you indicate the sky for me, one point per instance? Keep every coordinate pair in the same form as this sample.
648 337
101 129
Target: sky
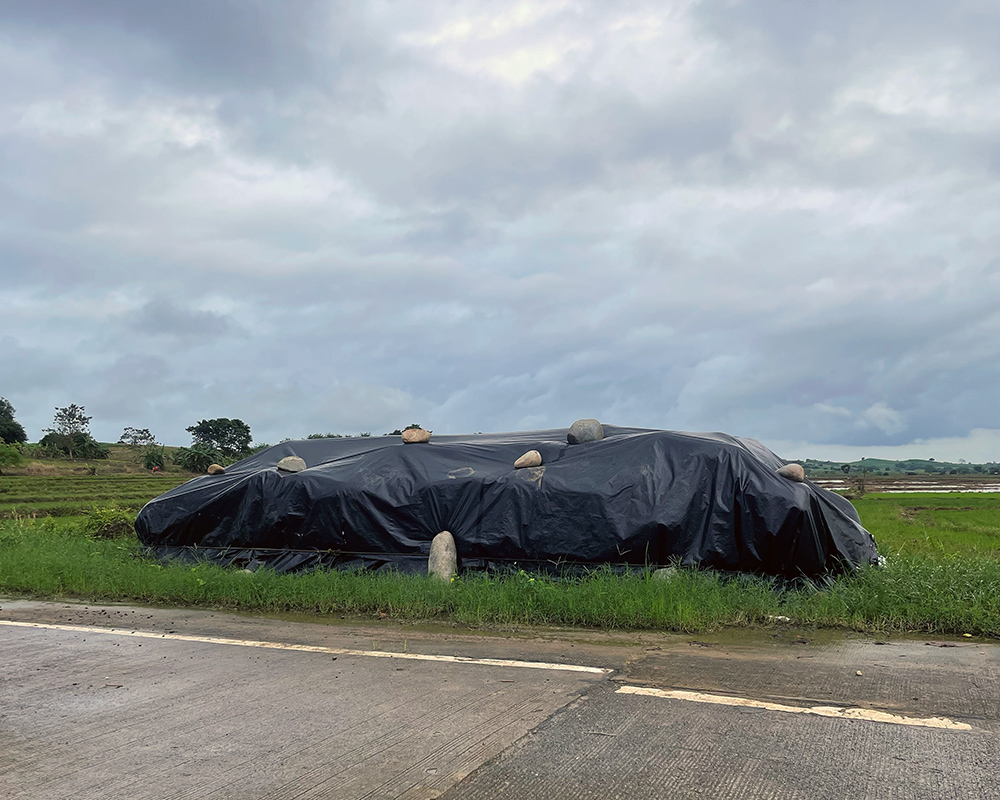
775 219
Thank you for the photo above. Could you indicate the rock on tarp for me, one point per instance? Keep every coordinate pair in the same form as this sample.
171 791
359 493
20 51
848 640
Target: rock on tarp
635 497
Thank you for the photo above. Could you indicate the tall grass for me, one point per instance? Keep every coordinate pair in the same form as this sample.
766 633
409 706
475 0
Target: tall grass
954 593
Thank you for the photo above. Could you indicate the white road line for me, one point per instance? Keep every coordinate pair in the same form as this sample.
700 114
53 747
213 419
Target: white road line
305 648
819 711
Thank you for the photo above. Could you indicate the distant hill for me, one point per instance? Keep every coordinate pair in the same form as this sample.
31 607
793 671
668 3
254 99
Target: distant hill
910 466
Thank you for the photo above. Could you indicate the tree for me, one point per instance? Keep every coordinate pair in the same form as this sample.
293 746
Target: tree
152 456
68 425
144 445
11 431
74 444
411 427
230 437
137 437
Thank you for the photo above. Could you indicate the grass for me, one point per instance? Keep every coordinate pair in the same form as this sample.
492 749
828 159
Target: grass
933 524
942 576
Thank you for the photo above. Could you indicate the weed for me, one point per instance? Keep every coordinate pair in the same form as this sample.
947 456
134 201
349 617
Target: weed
110 521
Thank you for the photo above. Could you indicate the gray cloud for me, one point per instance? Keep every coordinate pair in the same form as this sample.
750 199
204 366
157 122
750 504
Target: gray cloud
162 318
225 46
340 217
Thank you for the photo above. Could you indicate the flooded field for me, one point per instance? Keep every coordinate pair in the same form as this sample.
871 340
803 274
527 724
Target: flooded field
917 483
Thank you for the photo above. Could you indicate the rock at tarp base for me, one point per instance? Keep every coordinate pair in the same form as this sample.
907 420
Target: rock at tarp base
585 430
416 436
215 469
665 574
291 464
793 472
530 459
443 560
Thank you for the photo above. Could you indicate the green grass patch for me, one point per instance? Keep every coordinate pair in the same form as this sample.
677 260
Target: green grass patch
46 559
942 576
933 524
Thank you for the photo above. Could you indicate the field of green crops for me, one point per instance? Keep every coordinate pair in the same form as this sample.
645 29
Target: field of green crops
933 525
71 495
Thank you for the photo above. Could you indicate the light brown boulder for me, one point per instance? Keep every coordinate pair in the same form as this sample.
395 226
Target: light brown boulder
416 436
215 469
530 459
442 562
793 472
291 464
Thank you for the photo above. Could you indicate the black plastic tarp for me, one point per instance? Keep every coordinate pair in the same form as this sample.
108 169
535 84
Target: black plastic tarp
637 497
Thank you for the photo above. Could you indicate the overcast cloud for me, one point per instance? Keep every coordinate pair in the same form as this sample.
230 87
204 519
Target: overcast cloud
774 219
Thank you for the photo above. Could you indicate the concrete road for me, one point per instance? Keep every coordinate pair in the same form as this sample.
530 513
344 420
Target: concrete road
123 702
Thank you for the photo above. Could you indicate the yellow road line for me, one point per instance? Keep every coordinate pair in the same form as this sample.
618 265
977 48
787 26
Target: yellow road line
819 711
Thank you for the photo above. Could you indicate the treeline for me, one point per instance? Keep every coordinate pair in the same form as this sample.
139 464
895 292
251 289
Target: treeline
68 437
213 441
224 441
219 440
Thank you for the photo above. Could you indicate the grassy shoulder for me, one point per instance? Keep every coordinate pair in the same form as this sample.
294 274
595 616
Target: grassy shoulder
942 576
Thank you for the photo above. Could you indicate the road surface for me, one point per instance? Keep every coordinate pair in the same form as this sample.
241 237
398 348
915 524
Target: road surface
127 702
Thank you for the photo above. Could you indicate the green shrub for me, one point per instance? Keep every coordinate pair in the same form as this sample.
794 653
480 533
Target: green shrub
10 457
109 521
197 457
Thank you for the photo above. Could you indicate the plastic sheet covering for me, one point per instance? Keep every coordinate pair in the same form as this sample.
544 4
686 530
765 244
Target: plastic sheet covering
638 497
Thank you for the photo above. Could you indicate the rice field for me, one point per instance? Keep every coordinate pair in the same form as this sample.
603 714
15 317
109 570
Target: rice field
55 495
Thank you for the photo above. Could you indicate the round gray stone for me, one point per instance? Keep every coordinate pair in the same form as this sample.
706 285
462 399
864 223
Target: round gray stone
291 464
443 559
530 459
585 430
664 574
793 472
